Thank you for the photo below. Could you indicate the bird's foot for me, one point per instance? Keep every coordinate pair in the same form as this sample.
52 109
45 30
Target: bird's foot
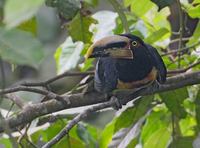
155 85
116 103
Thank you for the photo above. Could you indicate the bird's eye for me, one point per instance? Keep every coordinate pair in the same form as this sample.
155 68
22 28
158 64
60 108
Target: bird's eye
134 43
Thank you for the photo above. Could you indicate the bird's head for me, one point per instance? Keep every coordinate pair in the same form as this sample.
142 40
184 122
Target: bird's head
116 46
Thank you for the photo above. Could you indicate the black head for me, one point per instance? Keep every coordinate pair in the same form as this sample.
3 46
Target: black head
117 46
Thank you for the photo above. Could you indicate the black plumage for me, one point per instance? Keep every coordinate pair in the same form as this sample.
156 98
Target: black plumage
111 73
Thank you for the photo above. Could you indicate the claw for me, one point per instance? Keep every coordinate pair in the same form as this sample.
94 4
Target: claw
117 104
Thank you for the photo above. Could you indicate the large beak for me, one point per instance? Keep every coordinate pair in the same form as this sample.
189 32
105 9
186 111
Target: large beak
115 46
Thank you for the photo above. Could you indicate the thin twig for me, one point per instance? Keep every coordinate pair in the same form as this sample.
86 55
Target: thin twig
54 118
180 30
24 135
23 88
181 50
178 39
73 122
119 9
184 69
16 100
9 110
51 80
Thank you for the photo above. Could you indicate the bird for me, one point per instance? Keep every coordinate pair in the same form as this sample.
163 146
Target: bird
125 61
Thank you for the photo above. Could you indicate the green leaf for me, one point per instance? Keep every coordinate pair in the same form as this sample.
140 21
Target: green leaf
141 8
91 2
127 3
182 142
156 131
21 48
66 8
197 109
47 134
196 2
195 37
174 101
159 138
87 65
29 26
67 55
194 12
188 125
79 28
5 142
85 136
130 139
69 142
163 3
107 134
106 23
17 11
156 36
133 114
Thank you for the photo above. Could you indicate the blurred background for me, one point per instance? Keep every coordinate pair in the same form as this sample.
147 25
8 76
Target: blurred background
40 39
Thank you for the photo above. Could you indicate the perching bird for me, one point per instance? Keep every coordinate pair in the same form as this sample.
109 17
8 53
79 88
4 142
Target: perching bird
125 62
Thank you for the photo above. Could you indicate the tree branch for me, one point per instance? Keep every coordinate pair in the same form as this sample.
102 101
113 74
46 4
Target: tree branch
30 112
73 122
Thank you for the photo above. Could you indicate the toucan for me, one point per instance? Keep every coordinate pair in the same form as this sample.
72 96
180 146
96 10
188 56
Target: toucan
125 61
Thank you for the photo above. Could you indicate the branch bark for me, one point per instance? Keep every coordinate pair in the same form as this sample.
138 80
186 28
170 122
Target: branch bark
32 111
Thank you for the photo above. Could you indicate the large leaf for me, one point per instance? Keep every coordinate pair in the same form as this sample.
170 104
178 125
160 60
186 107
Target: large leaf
29 26
47 134
21 48
132 114
196 36
67 55
85 135
5 143
197 109
156 36
188 125
140 8
17 11
127 118
182 142
106 24
66 8
194 12
91 2
174 101
79 28
156 131
163 3
129 136
107 134
159 138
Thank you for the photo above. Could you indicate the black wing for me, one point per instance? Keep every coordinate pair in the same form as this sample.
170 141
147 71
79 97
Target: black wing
159 64
105 79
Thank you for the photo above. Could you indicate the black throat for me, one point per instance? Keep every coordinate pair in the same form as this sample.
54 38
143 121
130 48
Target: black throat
134 69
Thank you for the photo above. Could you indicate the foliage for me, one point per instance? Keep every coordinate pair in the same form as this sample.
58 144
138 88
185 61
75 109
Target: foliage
167 119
